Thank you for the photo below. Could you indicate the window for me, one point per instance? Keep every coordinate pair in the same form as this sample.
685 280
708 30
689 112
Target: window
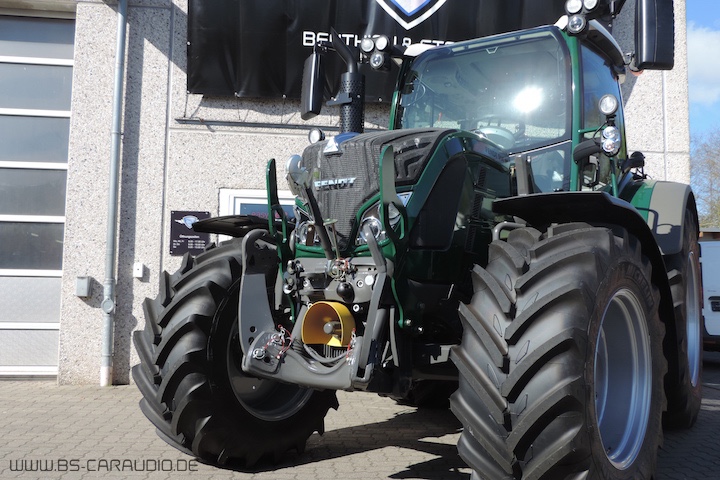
36 58
599 80
512 90
251 202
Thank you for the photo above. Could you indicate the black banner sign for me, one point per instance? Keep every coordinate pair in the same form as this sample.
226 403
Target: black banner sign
256 48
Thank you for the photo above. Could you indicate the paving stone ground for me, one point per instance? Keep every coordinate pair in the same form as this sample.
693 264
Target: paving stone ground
71 432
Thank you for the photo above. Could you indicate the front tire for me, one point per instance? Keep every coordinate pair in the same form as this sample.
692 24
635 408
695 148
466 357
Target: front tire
561 364
683 385
193 387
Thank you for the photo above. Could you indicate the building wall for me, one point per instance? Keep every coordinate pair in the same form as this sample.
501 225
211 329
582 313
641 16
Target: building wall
657 120
178 150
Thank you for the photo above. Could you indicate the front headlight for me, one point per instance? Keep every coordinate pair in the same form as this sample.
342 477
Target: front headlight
577 24
611 141
371 218
305 229
573 6
375 228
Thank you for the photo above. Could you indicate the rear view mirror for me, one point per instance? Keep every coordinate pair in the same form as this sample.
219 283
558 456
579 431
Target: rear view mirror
654 35
313 83
298 176
585 149
590 172
585 155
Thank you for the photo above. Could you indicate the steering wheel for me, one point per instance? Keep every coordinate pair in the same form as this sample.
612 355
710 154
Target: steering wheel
418 92
501 136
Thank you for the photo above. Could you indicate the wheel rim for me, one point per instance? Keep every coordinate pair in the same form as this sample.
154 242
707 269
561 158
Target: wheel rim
623 378
692 320
265 399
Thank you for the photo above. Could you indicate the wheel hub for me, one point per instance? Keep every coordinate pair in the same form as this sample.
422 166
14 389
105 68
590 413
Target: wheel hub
623 378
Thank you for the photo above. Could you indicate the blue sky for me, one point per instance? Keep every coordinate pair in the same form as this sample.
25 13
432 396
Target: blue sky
703 17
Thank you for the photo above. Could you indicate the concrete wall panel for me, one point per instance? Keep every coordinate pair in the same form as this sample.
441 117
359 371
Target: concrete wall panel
141 194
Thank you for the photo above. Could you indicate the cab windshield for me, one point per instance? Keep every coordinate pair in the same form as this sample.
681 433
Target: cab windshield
512 89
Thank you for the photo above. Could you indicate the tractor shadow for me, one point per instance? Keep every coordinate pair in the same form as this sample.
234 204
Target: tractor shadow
412 430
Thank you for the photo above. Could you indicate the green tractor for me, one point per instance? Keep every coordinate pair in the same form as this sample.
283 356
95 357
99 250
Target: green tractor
496 245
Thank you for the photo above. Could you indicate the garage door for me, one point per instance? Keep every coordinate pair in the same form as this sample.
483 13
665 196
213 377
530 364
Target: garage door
36 60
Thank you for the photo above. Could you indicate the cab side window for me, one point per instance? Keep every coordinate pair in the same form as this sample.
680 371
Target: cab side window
599 80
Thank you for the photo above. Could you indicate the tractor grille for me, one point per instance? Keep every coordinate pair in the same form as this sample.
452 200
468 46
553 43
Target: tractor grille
359 159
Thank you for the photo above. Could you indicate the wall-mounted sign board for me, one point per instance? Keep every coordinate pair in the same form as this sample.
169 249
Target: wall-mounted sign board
183 238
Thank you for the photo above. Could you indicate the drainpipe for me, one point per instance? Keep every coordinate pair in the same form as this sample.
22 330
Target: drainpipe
108 303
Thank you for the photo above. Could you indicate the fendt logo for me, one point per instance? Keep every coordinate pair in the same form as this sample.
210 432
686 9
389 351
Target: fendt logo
334 183
410 13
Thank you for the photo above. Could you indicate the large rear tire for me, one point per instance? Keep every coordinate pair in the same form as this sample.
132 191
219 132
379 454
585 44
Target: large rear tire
683 386
194 390
561 364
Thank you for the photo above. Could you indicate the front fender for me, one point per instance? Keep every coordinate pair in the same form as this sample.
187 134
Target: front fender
542 209
232 225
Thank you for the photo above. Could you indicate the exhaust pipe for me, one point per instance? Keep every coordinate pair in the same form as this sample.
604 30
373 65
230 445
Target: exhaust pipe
351 96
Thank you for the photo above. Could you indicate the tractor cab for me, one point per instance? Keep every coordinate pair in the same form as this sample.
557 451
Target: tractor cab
536 95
